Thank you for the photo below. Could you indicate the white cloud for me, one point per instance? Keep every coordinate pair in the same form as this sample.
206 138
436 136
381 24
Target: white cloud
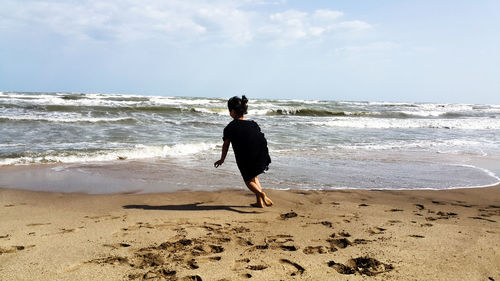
327 15
130 20
292 25
371 47
231 23
264 2
350 25
288 26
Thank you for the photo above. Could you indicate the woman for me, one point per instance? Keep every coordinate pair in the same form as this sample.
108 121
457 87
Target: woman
249 146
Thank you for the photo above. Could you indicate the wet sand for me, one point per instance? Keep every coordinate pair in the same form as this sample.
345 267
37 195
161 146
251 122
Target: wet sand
312 235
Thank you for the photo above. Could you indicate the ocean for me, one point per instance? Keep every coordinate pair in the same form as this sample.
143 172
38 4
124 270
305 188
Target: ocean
97 143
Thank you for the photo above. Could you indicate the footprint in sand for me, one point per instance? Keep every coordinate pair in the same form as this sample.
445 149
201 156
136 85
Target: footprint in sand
341 243
244 264
325 223
446 215
257 267
105 217
362 265
113 260
240 229
462 204
14 249
13 205
288 248
484 219
438 202
376 230
441 216
280 238
38 224
311 250
344 234
158 274
193 277
216 249
64 230
395 210
193 264
288 215
420 206
117 245
277 242
240 263
491 210
361 241
298 268
244 241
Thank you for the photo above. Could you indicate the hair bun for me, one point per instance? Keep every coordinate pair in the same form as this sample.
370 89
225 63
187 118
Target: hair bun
238 105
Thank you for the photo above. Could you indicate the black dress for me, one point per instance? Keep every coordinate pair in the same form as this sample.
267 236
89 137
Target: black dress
249 146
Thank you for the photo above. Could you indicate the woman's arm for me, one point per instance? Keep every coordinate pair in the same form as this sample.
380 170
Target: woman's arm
225 147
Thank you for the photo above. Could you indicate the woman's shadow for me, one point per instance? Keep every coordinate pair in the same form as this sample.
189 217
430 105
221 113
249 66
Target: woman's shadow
192 207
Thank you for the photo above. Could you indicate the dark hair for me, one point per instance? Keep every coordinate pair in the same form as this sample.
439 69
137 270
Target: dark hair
239 105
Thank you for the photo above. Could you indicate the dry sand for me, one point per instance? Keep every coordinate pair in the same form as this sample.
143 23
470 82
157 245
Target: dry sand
315 235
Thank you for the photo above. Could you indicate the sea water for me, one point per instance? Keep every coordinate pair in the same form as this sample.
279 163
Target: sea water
100 143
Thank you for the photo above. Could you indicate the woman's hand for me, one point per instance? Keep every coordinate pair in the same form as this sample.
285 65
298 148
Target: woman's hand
225 147
218 163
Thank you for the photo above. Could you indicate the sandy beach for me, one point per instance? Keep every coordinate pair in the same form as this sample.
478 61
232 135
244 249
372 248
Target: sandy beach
312 235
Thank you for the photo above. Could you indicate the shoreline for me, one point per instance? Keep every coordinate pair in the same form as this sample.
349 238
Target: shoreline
114 178
244 189
216 235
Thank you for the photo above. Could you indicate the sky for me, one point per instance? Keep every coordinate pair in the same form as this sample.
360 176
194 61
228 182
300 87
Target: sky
387 50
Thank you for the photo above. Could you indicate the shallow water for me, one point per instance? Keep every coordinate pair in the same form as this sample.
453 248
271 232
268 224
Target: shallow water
72 142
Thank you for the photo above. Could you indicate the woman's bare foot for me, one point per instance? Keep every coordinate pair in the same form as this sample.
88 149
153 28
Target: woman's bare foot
266 200
257 205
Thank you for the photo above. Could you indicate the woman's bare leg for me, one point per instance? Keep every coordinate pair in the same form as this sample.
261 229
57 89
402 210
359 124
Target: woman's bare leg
254 186
266 199
257 190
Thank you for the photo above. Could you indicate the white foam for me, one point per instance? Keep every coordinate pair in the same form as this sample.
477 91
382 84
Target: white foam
181 101
439 146
116 101
258 112
486 171
67 118
212 110
394 123
424 113
137 152
301 101
188 148
12 144
457 147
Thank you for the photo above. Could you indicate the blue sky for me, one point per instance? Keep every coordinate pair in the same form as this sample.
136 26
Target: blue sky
422 51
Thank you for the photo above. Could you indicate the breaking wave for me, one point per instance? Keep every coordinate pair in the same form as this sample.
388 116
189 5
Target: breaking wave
392 123
94 155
